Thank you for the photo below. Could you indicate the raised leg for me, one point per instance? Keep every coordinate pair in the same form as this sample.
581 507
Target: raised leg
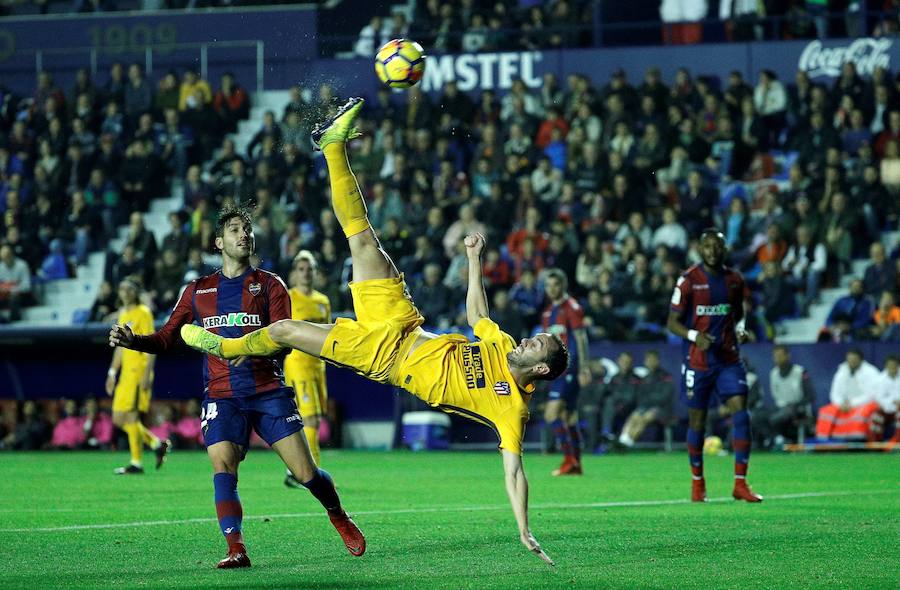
370 261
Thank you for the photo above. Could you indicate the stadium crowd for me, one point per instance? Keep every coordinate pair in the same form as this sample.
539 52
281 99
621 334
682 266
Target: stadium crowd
609 181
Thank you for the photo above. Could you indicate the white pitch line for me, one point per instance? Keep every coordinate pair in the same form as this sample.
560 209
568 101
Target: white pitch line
448 509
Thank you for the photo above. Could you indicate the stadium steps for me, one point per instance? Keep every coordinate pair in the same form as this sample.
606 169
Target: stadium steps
64 297
806 330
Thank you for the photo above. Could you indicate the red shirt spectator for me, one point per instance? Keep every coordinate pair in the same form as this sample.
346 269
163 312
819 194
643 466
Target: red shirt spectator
545 131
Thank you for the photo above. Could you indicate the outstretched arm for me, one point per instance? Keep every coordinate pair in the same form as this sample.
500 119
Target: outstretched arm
163 339
476 299
517 490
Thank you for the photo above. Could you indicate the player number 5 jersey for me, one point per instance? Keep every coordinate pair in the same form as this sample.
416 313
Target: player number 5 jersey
712 304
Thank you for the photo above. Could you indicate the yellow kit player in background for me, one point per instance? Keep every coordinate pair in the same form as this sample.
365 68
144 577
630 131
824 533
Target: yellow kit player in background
304 372
131 395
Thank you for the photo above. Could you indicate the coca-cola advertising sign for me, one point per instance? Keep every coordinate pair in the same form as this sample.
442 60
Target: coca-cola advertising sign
866 54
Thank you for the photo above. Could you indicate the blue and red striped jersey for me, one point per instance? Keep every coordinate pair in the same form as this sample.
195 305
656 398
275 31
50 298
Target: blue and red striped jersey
229 308
563 319
713 304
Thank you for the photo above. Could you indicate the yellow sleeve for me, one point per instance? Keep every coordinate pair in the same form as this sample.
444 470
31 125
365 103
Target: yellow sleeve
145 323
122 318
488 330
327 310
511 431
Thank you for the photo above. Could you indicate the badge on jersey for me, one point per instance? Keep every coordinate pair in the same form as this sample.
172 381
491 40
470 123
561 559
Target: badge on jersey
254 289
502 388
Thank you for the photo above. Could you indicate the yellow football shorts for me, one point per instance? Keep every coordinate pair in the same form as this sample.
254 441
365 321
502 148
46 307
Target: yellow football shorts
386 327
309 387
129 396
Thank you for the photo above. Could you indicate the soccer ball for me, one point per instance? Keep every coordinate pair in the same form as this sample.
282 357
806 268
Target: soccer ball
712 445
400 63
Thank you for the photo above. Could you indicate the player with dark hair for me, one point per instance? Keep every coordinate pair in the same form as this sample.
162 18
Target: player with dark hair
130 382
564 317
708 309
489 381
244 393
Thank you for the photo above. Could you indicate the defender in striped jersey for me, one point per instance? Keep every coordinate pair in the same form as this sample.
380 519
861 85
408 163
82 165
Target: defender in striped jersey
708 308
244 393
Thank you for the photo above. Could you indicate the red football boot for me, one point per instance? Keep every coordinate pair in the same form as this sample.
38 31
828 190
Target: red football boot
698 490
569 467
234 559
350 533
743 492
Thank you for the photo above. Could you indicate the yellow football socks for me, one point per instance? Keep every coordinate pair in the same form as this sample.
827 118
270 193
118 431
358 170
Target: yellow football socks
135 444
150 439
347 199
256 343
312 437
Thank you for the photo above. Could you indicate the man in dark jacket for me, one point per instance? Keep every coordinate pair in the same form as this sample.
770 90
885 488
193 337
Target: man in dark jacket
622 394
655 394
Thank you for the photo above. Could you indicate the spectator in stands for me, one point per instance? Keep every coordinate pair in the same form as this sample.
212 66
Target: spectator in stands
196 267
102 196
475 36
191 84
886 320
15 284
853 391
138 95
600 316
167 281
433 295
137 173
654 399
879 274
31 431
164 421
270 128
68 433
174 140
456 104
805 262
622 396
777 299
141 238
97 426
54 265
528 295
695 204
127 265
231 103
369 35
506 310
188 428
105 304
177 239
839 226
793 398
852 314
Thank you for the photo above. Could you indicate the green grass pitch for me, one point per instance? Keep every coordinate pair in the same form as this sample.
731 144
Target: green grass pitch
441 520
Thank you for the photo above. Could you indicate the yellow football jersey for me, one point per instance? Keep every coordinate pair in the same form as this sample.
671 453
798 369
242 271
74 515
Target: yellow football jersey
141 321
315 308
471 379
